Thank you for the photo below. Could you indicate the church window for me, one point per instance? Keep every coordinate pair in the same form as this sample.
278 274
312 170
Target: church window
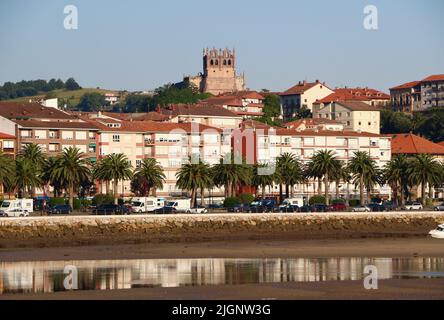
211 62
229 62
225 62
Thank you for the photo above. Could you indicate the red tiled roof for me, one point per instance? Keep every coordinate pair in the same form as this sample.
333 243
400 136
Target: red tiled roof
407 85
329 133
152 126
251 124
300 88
409 143
150 116
223 101
372 94
357 106
435 77
310 121
18 110
6 136
56 124
441 143
341 96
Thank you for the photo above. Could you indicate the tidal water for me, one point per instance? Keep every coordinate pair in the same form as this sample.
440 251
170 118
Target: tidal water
52 276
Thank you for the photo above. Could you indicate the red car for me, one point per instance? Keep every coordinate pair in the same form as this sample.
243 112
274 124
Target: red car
337 207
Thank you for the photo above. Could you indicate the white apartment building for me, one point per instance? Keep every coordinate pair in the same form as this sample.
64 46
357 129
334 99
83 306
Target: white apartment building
304 144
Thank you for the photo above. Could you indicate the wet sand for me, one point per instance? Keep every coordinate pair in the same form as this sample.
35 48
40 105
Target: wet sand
384 247
377 247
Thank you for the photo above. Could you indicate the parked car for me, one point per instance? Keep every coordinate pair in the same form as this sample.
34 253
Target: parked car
337 207
320 208
59 209
361 209
165 210
439 207
413 206
306 208
266 205
389 206
289 208
242 207
216 206
438 233
111 209
198 209
15 213
376 207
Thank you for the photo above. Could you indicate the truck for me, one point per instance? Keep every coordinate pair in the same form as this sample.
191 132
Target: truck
146 204
23 204
181 205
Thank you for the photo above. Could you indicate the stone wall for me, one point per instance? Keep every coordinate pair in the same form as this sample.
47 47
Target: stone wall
76 230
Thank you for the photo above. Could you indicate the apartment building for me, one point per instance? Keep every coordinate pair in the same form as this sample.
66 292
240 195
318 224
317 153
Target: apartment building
246 104
367 95
354 115
406 97
432 92
171 144
269 144
302 95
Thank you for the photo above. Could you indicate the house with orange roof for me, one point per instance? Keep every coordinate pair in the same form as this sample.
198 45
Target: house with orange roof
246 104
406 97
315 123
302 95
432 92
367 95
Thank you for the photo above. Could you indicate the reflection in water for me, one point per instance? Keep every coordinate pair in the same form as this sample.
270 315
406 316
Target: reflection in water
48 276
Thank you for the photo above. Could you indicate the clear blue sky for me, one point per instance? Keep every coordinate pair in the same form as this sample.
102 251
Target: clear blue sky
139 45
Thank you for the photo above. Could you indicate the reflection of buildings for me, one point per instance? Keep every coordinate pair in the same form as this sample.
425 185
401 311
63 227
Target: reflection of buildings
43 276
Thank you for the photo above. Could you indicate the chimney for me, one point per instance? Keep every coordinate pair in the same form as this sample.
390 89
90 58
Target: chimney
317 81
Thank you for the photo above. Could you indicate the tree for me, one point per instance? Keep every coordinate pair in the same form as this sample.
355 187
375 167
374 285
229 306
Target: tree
423 169
231 172
289 171
362 166
7 169
26 178
71 170
100 173
71 85
395 174
92 101
34 154
150 175
272 106
116 167
325 163
47 176
395 122
192 176
260 177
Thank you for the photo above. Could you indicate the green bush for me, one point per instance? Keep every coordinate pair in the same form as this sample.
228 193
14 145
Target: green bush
231 202
336 201
354 202
246 198
102 199
57 201
317 200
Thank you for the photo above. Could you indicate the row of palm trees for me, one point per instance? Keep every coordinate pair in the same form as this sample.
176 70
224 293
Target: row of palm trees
71 173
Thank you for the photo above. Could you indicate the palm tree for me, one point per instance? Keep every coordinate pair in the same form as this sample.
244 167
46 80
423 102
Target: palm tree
7 169
395 174
34 154
46 176
261 180
325 163
361 165
71 170
422 170
150 173
193 175
289 170
230 172
100 173
340 175
116 167
26 178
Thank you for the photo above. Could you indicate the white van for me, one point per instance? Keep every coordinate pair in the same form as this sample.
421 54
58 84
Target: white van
22 204
292 202
147 204
181 205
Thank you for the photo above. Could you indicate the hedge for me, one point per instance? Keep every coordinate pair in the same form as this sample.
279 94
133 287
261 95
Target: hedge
231 202
246 198
317 200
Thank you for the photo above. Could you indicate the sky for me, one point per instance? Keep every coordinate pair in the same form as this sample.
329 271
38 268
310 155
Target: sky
141 45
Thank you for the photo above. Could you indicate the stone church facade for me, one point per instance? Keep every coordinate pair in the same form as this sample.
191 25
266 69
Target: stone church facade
219 73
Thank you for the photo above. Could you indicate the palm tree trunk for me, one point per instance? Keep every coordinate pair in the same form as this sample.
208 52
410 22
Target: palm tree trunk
337 189
430 191
423 187
193 197
292 191
287 190
107 186
280 192
202 198
71 196
361 190
401 191
263 191
326 188
116 200
319 186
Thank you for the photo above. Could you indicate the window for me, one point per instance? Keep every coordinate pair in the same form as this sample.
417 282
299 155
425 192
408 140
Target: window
138 163
116 138
369 123
7 144
359 122
348 123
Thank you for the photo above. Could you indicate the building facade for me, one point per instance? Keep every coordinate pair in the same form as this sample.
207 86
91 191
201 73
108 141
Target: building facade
432 92
406 97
